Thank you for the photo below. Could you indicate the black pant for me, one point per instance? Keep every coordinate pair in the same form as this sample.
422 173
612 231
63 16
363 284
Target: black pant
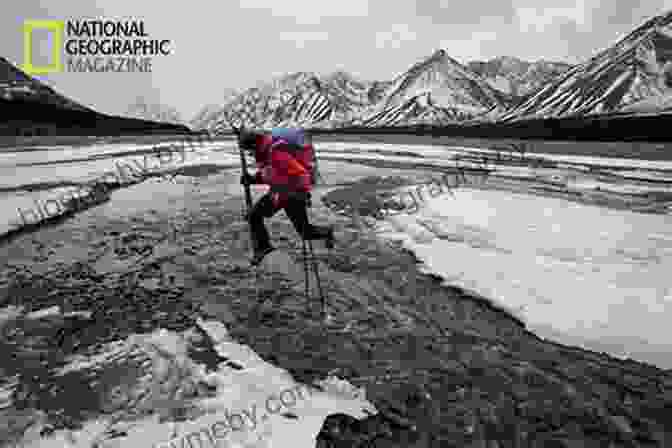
295 208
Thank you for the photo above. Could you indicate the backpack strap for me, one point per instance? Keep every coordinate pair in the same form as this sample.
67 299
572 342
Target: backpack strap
283 145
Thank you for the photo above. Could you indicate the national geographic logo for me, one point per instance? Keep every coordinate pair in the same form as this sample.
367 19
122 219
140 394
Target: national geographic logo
56 27
94 46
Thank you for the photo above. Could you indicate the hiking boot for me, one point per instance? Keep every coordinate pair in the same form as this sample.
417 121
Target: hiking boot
260 254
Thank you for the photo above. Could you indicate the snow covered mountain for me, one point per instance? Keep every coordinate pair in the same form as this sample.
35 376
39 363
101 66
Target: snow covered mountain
517 78
352 97
298 99
437 90
210 113
204 116
634 75
144 110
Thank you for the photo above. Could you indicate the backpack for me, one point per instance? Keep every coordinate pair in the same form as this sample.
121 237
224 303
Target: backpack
295 138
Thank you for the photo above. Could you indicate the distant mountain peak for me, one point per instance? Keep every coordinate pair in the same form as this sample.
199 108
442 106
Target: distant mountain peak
438 89
146 110
441 56
628 76
516 77
449 83
340 74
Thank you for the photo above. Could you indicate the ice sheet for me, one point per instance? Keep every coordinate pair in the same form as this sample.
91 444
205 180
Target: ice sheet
583 271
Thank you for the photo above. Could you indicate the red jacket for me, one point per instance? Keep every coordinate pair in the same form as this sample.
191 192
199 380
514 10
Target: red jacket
286 169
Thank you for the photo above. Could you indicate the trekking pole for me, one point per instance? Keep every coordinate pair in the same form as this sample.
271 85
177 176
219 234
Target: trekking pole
248 201
317 174
243 163
317 278
306 269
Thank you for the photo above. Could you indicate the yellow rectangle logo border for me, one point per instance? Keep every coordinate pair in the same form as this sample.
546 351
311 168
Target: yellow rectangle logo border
58 28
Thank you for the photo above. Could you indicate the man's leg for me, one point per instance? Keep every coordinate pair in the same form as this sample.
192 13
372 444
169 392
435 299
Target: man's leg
295 209
261 210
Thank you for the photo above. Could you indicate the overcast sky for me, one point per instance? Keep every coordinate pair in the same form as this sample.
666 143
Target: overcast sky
219 45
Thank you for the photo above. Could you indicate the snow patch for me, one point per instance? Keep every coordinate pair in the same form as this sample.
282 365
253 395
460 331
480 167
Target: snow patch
581 270
243 392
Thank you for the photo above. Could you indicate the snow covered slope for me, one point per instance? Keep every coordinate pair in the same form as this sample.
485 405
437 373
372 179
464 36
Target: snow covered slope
636 70
299 99
145 110
204 116
436 90
210 113
633 76
518 78
243 401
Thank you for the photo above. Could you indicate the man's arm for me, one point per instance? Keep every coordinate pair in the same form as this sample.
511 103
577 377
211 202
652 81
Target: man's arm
249 179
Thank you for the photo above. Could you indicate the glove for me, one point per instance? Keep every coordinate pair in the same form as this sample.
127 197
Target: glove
247 179
247 140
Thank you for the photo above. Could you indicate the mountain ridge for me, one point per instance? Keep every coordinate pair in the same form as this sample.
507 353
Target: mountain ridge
28 107
145 110
518 78
637 68
17 85
438 88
